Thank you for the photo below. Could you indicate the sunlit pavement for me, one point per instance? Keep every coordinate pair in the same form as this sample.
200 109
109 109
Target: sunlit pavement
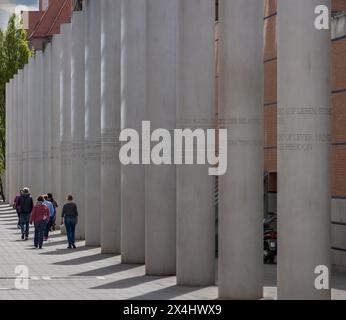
57 273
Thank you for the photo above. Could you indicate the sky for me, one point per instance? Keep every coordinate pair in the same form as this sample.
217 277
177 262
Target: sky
8 7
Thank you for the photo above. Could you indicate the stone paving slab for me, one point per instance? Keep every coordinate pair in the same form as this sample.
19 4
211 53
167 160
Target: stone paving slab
56 273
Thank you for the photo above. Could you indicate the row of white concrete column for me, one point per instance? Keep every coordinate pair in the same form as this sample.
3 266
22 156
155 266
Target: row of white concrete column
122 62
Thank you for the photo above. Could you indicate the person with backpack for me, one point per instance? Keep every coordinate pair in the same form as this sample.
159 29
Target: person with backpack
16 205
26 205
69 217
51 208
39 217
51 199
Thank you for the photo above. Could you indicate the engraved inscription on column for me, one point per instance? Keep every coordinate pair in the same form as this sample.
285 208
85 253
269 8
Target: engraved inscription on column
238 122
77 150
35 155
55 153
301 140
93 150
65 153
110 146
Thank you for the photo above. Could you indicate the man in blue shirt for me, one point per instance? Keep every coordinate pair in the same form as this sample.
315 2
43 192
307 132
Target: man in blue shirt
51 208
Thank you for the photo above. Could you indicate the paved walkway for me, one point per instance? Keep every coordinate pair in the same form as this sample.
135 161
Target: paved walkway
58 273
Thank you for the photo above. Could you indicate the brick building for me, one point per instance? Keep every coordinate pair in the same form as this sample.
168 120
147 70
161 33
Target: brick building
41 25
338 95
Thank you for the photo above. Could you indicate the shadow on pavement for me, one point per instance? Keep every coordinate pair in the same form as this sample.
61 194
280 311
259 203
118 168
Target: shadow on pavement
57 235
9 219
82 260
128 282
10 223
8 211
107 270
166 293
55 243
63 251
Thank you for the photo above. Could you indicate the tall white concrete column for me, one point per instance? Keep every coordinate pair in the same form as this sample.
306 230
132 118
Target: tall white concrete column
47 119
133 109
304 127
14 137
35 126
31 69
19 129
110 125
7 141
55 127
195 188
12 142
77 117
31 102
25 126
93 123
65 111
160 187
240 244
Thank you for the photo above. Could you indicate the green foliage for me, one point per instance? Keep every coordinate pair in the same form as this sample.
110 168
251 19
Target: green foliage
14 54
16 49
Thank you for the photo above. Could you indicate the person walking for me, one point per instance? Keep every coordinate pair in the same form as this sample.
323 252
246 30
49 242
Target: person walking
51 199
26 205
16 206
69 217
51 208
39 217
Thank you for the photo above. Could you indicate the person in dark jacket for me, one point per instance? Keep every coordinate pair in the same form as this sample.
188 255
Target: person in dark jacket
39 216
69 217
26 205
51 208
17 206
51 199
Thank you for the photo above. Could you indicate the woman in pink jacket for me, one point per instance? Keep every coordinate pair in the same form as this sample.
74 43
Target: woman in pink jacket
39 217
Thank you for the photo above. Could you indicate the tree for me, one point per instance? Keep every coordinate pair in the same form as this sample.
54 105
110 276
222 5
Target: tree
14 54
